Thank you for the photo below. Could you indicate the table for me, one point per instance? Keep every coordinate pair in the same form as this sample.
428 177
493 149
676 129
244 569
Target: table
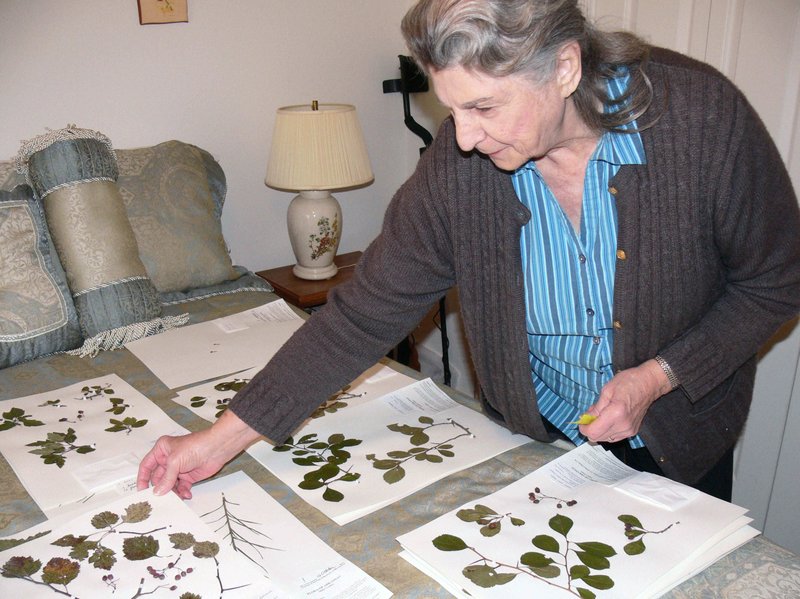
304 293
759 569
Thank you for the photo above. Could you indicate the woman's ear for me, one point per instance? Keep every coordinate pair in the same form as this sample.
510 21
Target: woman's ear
568 68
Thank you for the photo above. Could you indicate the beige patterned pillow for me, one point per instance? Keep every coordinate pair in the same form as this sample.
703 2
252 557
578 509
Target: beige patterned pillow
9 177
37 316
173 194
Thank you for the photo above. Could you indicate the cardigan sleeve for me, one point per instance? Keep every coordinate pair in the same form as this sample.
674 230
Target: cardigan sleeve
400 276
756 233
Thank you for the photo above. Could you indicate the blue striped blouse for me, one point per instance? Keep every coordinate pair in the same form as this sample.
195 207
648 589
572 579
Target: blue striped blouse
569 281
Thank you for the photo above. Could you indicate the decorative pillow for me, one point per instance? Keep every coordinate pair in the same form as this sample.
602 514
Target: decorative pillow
37 316
9 177
74 171
173 195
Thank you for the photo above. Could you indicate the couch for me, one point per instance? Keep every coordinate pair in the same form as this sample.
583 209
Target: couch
81 269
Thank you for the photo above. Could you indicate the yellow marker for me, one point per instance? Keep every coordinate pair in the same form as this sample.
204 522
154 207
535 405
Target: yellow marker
585 419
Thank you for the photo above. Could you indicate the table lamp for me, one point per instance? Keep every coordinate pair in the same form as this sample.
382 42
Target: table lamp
316 148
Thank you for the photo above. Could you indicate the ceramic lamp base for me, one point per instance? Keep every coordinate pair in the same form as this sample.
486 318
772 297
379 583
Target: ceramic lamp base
314 220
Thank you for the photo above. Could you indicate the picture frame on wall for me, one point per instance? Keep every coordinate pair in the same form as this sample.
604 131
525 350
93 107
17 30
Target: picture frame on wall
153 12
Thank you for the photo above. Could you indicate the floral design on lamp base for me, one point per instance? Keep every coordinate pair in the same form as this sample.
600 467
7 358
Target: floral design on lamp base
314 220
326 238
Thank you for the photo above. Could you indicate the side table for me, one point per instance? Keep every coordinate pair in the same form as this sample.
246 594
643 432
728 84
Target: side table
307 294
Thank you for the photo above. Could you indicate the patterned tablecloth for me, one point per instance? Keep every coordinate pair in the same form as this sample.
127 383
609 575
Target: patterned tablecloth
758 570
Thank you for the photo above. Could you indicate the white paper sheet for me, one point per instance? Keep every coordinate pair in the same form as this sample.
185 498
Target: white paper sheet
90 437
548 519
209 400
297 562
214 348
141 545
388 448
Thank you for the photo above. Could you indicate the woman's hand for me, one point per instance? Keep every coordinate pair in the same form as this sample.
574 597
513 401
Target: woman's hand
178 462
624 401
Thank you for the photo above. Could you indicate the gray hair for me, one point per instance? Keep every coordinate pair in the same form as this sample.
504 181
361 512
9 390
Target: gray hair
524 37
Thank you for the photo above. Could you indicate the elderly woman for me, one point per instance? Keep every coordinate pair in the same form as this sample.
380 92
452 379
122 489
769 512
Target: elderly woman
622 230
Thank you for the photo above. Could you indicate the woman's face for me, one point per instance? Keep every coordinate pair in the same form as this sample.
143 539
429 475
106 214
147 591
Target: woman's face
509 119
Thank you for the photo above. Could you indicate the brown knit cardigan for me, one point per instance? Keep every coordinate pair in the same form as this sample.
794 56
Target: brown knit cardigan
710 267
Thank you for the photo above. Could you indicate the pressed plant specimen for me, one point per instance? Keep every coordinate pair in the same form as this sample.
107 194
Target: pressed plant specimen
327 460
54 448
422 448
559 562
159 552
239 532
335 402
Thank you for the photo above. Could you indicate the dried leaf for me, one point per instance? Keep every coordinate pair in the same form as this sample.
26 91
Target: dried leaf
534 559
20 567
635 548
104 520
205 549
491 529
599 581
60 571
487 577
137 512
68 541
6 544
103 559
332 495
596 562
561 524
394 475
140 548
598 548
585 593
546 543
181 540
628 519
449 543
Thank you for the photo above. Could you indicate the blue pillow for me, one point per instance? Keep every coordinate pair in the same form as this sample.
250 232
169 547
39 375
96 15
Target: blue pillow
37 315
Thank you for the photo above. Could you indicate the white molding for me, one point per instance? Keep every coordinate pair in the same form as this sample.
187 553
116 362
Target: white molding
698 26
725 26
630 11
788 135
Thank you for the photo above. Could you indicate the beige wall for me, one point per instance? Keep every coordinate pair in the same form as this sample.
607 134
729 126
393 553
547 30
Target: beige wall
214 82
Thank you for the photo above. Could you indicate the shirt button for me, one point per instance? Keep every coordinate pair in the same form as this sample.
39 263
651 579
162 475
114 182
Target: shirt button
582 259
612 190
622 255
596 340
617 324
589 312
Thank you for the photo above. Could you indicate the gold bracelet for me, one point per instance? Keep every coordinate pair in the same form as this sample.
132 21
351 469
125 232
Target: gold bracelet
671 376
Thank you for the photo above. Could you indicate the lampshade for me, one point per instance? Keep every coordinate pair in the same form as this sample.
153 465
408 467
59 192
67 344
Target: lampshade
317 149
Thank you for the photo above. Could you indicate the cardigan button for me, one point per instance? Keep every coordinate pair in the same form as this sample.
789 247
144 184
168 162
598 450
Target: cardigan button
617 324
612 190
621 255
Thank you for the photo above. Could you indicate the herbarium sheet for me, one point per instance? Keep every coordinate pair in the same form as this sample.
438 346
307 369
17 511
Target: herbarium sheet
81 440
584 525
298 563
215 348
349 461
140 545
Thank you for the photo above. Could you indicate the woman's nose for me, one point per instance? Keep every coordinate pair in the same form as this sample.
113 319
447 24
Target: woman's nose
468 132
